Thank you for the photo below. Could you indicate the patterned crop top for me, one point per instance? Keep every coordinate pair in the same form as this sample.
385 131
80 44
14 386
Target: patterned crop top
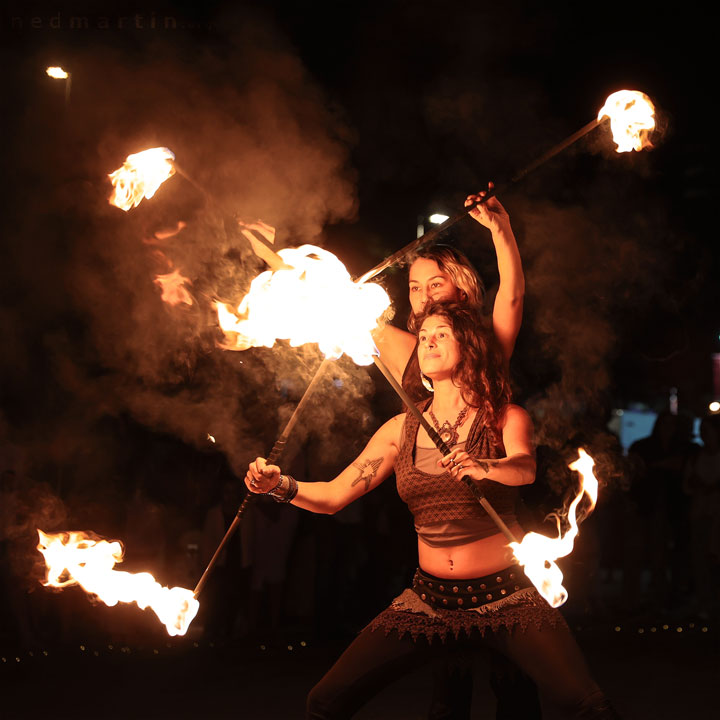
445 511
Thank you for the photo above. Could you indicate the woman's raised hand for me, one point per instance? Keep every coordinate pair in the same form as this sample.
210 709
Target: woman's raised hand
261 478
491 213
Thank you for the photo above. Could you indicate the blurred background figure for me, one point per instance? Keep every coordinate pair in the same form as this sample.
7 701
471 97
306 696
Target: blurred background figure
702 483
224 601
657 511
144 534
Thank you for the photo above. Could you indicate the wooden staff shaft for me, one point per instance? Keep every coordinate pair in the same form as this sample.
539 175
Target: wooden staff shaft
567 142
431 234
273 457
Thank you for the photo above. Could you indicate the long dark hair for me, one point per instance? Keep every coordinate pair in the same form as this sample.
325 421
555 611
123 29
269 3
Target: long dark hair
481 373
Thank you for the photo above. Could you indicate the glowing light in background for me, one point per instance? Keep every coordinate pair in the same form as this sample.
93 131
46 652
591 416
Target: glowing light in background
57 73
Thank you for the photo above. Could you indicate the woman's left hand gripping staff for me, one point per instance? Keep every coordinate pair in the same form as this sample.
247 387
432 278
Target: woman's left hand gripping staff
262 478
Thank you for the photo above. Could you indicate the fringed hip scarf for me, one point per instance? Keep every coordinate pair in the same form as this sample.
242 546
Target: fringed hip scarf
440 607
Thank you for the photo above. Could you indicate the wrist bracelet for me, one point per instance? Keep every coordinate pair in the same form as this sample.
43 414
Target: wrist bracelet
287 495
273 489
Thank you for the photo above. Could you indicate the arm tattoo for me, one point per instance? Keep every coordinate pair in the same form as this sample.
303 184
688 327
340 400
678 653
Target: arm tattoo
368 471
486 465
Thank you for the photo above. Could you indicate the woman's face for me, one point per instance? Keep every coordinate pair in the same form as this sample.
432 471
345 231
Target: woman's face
428 282
438 349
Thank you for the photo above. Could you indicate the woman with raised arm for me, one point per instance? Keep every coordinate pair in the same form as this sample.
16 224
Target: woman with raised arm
467 592
443 273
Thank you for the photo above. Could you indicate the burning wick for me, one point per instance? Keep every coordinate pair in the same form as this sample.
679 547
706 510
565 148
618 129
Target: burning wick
537 553
632 119
312 299
140 177
78 558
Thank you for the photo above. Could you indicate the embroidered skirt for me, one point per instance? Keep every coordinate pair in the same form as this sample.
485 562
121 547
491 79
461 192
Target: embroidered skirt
439 607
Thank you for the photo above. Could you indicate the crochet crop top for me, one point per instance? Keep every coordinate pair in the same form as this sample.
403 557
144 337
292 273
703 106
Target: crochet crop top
445 511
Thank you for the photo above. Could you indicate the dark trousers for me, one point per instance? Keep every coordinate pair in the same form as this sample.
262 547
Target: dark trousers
515 692
549 656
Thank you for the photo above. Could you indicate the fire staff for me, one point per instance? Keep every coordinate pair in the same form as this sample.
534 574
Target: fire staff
465 592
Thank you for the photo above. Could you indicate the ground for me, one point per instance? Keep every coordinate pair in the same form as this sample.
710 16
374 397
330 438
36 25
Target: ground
649 675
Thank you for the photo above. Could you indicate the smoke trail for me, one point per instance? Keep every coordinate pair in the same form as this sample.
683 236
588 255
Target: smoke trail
258 136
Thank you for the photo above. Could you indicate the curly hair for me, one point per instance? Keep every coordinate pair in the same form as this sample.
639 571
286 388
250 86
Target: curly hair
463 275
481 373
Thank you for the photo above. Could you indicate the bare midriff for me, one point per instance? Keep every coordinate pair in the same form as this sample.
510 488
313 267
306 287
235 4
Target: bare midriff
472 560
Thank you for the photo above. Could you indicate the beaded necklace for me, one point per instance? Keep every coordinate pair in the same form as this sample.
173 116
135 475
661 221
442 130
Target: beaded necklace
449 433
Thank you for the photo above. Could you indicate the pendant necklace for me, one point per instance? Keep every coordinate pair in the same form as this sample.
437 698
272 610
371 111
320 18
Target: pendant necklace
449 434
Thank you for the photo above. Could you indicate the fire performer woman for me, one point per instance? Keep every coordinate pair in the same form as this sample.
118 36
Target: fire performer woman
466 592
442 272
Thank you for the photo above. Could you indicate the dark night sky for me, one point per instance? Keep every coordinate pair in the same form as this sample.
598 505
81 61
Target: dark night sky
342 124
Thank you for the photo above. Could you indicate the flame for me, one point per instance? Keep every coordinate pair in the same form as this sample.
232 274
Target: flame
312 299
78 558
537 553
167 232
56 72
173 291
261 228
140 177
632 118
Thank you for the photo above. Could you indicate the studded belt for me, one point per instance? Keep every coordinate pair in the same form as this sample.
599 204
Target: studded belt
466 594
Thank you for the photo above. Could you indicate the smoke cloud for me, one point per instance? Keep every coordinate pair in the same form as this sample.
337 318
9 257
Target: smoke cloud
255 138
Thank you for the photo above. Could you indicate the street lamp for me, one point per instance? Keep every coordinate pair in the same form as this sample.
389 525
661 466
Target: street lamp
57 73
434 219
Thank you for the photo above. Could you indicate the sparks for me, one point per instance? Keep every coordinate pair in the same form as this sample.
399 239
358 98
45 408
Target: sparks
78 558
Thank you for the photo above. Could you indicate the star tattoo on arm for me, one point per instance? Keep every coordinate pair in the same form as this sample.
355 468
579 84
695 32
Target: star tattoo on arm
368 471
486 465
